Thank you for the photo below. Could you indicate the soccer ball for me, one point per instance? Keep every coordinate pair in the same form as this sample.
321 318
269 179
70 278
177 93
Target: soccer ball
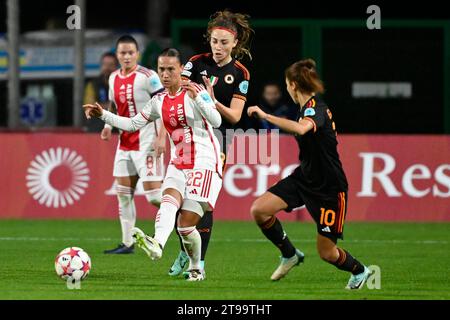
73 263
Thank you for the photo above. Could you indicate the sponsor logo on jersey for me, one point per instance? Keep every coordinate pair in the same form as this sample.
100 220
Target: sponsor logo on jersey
204 73
213 80
188 66
130 100
229 79
309 112
243 86
326 229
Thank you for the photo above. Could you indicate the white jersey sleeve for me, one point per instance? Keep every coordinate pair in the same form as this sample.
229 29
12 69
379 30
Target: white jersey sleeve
204 104
148 114
154 84
111 87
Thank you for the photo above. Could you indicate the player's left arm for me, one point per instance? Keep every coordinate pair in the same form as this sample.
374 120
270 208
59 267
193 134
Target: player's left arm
233 113
203 103
301 127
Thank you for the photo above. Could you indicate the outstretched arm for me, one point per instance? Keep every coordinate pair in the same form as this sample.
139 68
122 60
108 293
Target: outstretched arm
123 123
301 127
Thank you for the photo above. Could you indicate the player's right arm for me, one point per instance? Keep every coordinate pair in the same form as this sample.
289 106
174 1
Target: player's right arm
123 123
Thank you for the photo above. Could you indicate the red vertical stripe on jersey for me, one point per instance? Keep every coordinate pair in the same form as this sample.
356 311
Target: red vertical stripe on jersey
182 135
125 103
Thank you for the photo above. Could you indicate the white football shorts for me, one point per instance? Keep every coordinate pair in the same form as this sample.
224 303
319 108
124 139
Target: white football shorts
142 163
199 185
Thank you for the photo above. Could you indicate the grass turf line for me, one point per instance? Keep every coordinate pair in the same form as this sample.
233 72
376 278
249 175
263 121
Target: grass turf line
413 257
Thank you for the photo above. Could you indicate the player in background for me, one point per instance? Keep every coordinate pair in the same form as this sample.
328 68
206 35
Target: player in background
193 180
319 182
226 80
139 155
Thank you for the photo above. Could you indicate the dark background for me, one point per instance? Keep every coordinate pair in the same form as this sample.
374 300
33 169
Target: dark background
412 55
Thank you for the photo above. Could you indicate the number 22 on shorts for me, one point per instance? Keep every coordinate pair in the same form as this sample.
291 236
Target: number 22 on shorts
194 178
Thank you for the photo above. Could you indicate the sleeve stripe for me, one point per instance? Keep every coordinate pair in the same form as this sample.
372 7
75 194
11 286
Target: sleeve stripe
145 117
144 71
156 92
312 121
243 69
198 87
193 58
238 96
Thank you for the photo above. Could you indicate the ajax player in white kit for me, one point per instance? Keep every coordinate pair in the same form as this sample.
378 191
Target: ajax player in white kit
194 175
138 154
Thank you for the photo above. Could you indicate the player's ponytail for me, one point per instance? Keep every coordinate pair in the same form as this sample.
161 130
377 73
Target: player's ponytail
239 25
304 74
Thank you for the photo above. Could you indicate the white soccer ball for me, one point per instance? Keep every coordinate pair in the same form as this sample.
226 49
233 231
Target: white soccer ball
73 263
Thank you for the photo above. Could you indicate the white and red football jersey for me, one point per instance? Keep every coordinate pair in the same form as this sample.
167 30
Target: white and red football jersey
130 94
189 123
193 143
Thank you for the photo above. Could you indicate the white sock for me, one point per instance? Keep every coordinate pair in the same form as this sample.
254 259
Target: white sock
192 243
154 196
165 218
127 212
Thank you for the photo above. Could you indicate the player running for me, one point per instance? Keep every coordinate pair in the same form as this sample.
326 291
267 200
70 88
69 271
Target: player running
226 80
319 181
193 180
139 155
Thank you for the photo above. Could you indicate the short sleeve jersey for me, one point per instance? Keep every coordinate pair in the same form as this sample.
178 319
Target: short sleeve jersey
229 81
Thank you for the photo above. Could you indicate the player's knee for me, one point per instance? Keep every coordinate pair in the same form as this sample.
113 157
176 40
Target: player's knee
328 255
257 210
154 196
125 195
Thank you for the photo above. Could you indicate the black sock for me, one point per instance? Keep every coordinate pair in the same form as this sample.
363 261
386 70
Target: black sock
204 227
273 231
347 263
176 230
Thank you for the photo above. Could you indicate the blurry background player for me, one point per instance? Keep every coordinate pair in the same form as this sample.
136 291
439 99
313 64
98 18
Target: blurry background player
272 102
226 80
97 89
138 154
193 179
319 181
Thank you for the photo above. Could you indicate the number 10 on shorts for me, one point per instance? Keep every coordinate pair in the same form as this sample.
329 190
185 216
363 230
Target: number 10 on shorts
327 217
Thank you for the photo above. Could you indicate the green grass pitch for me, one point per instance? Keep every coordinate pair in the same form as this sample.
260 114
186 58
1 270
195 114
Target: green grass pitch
414 260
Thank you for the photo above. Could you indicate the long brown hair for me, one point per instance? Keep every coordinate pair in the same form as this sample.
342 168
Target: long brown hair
236 22
304 74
